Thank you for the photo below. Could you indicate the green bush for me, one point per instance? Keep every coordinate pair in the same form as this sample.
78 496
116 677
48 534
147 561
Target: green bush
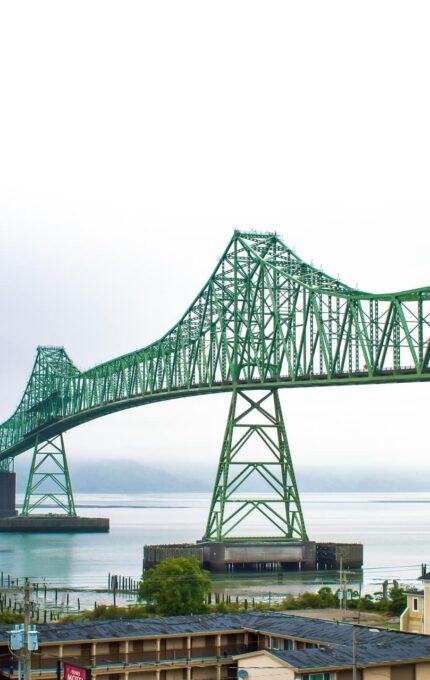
183 589
177 585
11 617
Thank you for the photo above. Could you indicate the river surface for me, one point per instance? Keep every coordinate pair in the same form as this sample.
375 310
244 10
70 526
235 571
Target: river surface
394 528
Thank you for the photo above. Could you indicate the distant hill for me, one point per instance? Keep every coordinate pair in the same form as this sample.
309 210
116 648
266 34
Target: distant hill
125 476
365 478
129 476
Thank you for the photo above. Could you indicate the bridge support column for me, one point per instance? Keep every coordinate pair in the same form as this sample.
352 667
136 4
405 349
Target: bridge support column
255 448
49 479
7 488
7 493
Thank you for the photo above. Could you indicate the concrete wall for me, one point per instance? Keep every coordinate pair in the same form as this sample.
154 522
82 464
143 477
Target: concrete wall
153 554
271 553
426 626
261 555
406 672
261 667
351 554
378 673
199 642
329 555
413 621
102 648
69 650
422 671
7 493
149 645
176 674
176 643
203 674
347 675
54 524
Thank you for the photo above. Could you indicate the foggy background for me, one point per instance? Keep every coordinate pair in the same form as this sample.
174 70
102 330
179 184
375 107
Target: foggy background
135 136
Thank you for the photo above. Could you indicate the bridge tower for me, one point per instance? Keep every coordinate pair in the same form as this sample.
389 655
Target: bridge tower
255 449
49 478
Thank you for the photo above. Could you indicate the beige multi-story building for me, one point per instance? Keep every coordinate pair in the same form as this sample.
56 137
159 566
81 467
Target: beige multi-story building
416 616
225 647
412 618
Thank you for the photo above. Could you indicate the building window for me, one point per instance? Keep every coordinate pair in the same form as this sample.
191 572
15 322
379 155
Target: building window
317 676
415 604
276 643
280 644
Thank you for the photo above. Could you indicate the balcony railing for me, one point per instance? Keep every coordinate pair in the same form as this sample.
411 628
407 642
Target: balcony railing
41 661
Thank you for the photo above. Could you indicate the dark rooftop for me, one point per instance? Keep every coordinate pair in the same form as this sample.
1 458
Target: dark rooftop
316 657
373 644
366 654
267 622
123 628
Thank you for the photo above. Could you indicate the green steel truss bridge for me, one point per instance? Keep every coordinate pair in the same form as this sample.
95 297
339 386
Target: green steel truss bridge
265 320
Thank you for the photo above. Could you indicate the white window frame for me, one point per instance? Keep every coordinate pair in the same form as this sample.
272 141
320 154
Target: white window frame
276 643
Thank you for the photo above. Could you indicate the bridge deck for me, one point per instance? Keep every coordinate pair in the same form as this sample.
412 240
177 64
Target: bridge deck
60 425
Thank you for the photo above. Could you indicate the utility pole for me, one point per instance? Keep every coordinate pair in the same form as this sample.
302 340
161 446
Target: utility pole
342 591
23 639
354 655
359 597
114 587
27 614
342 594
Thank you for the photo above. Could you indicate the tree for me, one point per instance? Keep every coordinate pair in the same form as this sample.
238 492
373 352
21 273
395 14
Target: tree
397 601
177 585
327 597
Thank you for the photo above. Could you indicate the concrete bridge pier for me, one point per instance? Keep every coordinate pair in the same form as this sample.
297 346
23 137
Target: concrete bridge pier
7 494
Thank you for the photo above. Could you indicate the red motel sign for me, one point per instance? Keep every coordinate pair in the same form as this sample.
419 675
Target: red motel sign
72 672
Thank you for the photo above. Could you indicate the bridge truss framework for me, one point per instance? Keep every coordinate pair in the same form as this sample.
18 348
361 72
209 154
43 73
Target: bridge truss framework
265 320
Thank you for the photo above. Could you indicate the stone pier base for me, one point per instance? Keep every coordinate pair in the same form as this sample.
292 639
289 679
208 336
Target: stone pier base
258 555
53 524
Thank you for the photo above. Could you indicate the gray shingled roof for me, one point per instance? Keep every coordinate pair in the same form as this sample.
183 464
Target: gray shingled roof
266 622
333 632
372 644
122 628
328 657
316 657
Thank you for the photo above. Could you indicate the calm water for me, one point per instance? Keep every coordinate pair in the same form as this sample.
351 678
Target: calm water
394 528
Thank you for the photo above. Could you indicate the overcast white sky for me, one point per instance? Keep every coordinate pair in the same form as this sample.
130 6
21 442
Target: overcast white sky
135 136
